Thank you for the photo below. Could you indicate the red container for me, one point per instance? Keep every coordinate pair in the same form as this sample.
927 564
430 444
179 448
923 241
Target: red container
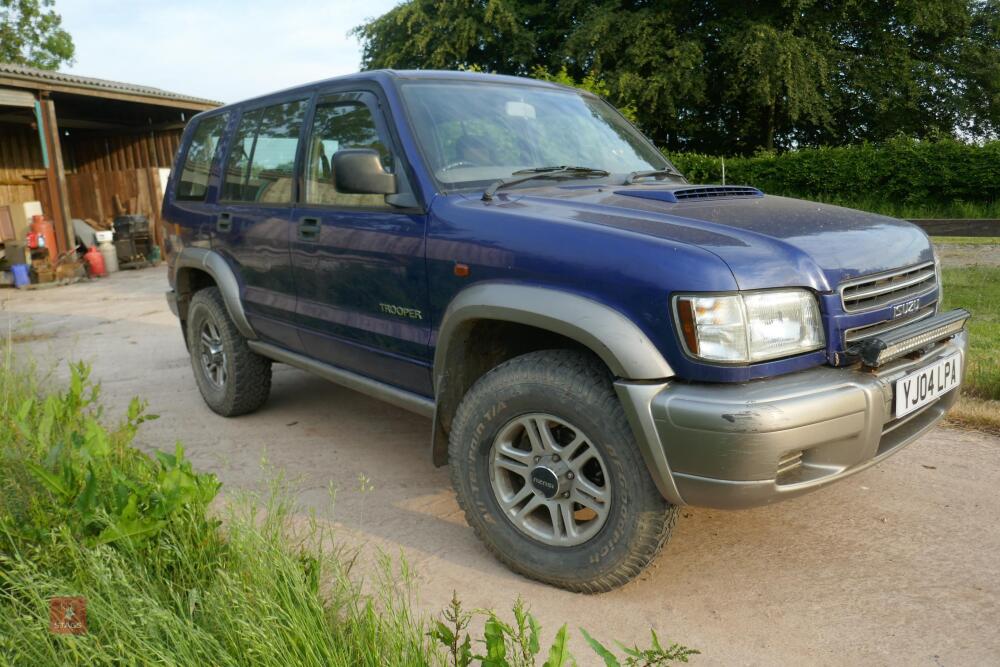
95 263
44 228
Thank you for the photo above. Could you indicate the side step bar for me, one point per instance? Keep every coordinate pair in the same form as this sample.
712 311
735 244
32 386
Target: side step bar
380 390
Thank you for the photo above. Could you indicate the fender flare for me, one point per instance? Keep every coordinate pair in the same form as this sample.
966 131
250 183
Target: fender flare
215 265
612 336
626 350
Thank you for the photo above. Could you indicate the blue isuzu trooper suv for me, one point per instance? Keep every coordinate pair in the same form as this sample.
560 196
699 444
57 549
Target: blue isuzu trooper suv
597 341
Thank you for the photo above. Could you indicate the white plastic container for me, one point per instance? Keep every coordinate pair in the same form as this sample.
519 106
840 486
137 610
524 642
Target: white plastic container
108 252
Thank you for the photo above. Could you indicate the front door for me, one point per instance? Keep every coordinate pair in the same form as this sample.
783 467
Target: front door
358 259
254 222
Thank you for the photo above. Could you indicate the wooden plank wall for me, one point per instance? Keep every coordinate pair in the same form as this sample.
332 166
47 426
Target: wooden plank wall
20 160
113 153
91 194
125 164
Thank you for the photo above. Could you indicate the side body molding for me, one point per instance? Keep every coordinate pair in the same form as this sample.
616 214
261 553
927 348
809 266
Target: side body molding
214 265
622 345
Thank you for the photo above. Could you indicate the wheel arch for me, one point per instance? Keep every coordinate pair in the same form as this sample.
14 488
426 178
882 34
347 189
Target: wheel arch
489 323
197 268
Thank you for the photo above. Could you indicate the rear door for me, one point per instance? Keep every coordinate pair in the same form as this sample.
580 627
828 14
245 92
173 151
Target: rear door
359 258
190 208
254 221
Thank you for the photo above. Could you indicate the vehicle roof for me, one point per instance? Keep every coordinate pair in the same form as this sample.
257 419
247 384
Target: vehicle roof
386 76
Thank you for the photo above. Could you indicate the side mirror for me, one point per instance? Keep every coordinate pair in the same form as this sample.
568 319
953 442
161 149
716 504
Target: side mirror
359 171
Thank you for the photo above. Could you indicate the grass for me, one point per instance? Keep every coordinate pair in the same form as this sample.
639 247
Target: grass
977 289
165 582
29 337
977 414
174 575
966 240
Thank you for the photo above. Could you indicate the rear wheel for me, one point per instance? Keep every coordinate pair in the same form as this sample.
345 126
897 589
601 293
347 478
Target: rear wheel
232 378
548 473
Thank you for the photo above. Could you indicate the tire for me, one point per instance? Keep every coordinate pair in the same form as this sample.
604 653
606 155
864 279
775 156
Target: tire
238 380
570 395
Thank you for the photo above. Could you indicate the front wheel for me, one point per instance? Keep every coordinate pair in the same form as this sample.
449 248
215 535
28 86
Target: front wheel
232 378
548 473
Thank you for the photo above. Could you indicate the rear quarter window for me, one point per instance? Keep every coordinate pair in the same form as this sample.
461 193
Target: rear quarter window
197 162
261 163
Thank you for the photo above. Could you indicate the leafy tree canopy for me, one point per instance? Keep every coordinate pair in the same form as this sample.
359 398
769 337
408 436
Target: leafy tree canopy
726 76
31 34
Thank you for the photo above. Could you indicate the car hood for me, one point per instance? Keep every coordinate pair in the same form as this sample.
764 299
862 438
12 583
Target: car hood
767 241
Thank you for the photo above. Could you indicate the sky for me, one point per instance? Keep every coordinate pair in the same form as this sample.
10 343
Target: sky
224 50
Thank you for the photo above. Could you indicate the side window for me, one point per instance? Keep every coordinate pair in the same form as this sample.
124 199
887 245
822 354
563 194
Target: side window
338 125
193 183
261 164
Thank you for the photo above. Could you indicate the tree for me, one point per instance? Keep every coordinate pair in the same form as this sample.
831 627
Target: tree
31 34
728 76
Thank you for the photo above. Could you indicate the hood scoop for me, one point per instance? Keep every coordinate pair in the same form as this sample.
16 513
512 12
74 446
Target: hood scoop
696 193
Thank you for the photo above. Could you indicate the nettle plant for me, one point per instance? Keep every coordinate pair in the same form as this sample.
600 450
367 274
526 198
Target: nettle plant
518 644
101 488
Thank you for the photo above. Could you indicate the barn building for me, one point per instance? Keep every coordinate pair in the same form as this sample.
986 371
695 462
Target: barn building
86 148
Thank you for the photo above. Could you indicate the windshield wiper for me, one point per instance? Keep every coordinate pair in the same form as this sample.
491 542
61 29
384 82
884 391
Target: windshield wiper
523 175
652 173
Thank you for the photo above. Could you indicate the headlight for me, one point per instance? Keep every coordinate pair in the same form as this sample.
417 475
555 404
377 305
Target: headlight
741 328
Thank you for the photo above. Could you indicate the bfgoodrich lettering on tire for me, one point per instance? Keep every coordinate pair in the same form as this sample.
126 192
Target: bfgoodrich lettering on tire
546 468
232 379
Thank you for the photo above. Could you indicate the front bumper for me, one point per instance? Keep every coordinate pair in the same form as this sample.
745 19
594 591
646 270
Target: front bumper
735 446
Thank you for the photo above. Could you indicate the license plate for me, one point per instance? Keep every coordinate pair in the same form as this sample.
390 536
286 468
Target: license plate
921 387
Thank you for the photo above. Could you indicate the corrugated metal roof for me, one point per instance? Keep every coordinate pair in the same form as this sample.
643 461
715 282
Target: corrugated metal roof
32 74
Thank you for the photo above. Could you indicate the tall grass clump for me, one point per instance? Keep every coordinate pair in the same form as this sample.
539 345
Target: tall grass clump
82 513
173 575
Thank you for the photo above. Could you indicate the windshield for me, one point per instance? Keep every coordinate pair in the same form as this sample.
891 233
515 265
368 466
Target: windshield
475 133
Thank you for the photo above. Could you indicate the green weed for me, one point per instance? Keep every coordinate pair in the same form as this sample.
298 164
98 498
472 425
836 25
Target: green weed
518 644
168 581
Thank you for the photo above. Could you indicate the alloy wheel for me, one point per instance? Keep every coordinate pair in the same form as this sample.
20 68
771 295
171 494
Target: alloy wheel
213 355
550 480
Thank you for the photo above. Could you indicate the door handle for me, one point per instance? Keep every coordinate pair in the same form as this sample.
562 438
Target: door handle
224 222
309 229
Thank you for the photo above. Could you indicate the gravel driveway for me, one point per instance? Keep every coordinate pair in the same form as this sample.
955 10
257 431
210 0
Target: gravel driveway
899 564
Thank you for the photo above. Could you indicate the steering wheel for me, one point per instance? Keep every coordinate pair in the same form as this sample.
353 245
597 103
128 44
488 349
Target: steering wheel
460 163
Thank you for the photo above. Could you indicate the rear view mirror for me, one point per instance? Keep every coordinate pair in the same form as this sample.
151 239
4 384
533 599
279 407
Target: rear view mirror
359 171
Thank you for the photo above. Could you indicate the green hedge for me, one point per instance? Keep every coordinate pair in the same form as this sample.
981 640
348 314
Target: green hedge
902 177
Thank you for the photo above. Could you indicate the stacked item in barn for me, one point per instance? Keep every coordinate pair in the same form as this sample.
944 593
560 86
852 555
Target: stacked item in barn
42 248
107 250
132 241
28 251
91 236
69 269
14 260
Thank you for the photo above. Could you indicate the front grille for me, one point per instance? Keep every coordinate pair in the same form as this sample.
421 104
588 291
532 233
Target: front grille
882 289
716 192
858 334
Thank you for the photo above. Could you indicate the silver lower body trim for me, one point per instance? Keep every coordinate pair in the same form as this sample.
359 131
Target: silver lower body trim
735 446
380 390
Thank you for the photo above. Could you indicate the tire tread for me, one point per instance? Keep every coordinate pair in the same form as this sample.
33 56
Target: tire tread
568 368
249 383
